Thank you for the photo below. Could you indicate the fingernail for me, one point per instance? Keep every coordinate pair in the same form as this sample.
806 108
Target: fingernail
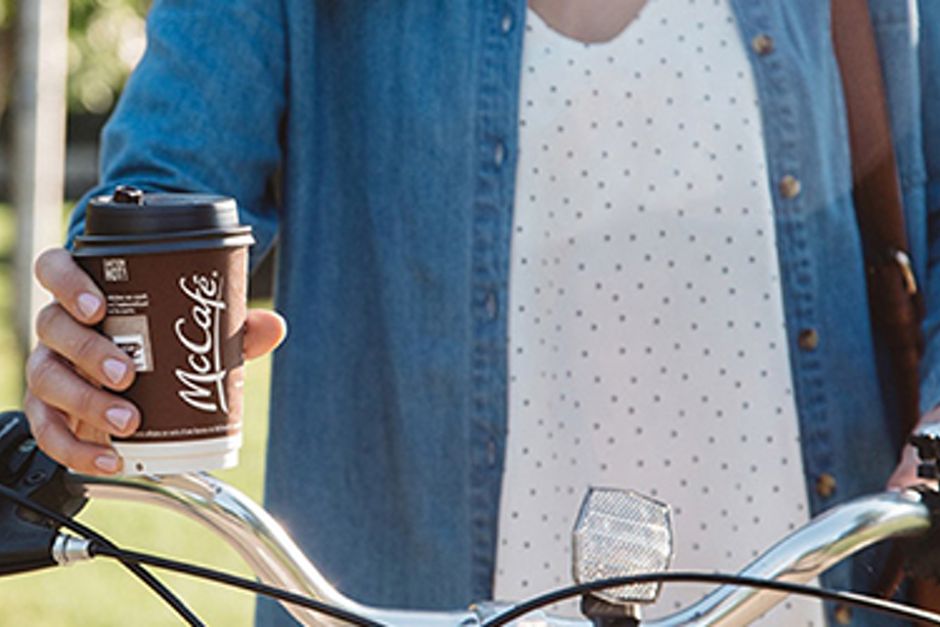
114 369
107 463
88 304
119 417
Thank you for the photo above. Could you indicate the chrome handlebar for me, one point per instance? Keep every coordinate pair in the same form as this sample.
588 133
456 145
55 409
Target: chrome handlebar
265 546
275 559
807 552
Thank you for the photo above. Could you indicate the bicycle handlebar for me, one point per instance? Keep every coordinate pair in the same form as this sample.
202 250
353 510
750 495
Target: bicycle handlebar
275 559
265 546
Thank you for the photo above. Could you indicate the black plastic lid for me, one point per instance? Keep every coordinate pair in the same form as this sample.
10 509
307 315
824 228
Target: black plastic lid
129 211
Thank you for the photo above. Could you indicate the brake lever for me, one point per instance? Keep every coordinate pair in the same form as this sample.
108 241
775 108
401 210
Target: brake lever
26 538
922 555
927 442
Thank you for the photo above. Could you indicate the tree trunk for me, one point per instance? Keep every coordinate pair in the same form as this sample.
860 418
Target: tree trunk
38 108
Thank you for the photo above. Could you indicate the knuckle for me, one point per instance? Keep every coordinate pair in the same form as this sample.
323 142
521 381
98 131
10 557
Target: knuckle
46 319
47 263
45 259
68 457
31 361
39 369
59 274
85 347
30 408
86 400
41 430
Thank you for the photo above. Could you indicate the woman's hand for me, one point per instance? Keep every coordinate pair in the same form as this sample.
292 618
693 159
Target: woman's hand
73 372
905 474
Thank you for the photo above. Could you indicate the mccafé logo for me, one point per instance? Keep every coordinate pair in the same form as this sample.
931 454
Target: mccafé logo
204 381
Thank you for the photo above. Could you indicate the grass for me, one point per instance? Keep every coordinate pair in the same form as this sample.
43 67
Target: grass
10 353
102 593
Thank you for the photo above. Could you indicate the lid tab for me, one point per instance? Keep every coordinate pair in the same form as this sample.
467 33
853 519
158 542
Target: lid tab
130 211
128 194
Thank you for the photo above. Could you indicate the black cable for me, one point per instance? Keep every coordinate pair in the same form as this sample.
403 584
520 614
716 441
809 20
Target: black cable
134 557
89 534
850 598
133 560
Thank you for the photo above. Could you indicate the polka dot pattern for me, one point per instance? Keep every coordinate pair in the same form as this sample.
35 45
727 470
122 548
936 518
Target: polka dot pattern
647 345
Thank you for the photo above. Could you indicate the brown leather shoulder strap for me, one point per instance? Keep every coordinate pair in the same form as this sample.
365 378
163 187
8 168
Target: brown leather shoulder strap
894 301
874 171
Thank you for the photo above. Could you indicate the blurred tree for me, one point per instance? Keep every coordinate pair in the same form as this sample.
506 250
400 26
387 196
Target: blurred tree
106 39
6 51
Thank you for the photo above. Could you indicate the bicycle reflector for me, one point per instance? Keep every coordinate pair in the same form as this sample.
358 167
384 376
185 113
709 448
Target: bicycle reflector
620 533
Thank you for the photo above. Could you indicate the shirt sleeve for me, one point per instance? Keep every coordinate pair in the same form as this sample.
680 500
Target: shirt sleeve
203 110
929 50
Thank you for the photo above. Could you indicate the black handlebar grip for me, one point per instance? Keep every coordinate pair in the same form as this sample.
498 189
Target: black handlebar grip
26 538
25 547
16 445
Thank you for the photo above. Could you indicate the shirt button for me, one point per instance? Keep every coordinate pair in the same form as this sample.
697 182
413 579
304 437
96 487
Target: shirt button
842 614
825 485
506 23
790 186
762 44
808 339
491 453
499 153
492 307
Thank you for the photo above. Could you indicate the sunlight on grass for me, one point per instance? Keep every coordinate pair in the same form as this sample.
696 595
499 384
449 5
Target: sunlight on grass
10 356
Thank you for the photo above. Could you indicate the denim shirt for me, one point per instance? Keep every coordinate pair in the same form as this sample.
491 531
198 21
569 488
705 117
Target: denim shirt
376 143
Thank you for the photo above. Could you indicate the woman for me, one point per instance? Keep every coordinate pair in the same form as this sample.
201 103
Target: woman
660 223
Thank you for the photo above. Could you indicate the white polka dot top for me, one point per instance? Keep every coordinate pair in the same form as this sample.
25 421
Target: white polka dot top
647 347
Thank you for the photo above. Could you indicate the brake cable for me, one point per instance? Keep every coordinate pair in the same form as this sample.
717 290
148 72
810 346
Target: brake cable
99 545
133 557
849 598
89 534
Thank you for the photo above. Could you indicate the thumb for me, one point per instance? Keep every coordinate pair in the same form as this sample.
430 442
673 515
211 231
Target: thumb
264 331
905 475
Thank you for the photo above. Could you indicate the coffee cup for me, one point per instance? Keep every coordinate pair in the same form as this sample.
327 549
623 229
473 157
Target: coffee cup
173 271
